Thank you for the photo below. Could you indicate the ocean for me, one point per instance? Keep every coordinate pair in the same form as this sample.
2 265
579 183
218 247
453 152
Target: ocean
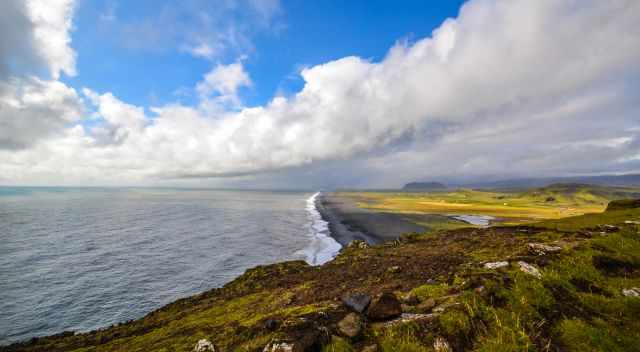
85 258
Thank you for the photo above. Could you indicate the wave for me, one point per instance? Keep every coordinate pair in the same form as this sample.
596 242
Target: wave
323 247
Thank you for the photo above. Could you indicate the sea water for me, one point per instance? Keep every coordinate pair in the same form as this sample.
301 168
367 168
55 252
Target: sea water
84 258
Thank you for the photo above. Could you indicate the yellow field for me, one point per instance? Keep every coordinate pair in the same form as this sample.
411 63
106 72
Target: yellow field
553 202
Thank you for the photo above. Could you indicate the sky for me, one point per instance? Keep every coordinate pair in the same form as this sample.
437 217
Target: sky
316 94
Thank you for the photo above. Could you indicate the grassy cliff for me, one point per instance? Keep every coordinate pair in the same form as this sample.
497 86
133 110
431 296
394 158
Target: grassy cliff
580 299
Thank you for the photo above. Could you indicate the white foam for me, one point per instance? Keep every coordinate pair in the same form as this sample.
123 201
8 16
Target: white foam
323 247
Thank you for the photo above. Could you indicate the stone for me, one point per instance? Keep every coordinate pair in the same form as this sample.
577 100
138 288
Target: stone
426 305
542 249
496 265
357 302
530 269
384 307
271 324
441 345
632 292
445 306
280 346
632 222
204 345
351 325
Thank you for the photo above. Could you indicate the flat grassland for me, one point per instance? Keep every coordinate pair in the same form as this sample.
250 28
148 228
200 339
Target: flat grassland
515 206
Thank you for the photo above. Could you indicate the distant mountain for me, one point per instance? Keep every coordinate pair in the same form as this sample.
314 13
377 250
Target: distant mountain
424 186
605 180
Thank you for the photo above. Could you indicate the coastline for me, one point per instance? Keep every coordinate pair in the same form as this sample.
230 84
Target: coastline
348 222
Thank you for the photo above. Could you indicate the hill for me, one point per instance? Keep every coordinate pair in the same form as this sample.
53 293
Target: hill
423 186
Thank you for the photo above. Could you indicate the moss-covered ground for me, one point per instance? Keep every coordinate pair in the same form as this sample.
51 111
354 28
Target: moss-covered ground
577 305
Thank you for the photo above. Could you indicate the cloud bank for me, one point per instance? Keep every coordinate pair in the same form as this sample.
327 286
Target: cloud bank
505 88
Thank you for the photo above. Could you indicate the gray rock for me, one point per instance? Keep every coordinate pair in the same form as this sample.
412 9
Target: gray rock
204 345
542 249
358 244
357 302
496 265
351 325
409 318
530 269
280 346
384 307
632 292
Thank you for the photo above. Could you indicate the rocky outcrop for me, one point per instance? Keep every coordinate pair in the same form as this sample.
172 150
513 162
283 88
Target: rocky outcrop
351 325
496 265
384 307
357 302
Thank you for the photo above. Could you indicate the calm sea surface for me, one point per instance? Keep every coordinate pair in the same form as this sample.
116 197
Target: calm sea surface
84 258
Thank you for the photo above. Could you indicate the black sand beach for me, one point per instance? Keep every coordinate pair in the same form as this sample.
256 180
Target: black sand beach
348 222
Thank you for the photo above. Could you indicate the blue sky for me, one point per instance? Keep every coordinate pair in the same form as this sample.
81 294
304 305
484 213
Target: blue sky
302 33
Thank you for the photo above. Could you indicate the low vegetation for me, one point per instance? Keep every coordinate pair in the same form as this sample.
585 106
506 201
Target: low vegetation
585 296
507 206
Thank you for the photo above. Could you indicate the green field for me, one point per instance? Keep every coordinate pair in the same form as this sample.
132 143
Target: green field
506 206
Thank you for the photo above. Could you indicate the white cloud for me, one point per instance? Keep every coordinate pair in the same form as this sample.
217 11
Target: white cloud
31 109
507 87
34 34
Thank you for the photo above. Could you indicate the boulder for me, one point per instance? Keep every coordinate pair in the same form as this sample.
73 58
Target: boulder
204 345
632 292
351 325
384 307
530 269
496 265
357 302
542 249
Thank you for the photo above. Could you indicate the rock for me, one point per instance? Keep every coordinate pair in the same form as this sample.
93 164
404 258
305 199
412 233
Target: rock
608 228
384 307
496 265
409 318
632 292
357 302
204 345
360 244
393 269
351 325
550 199
632 222
271 324
426 305
542 249
441 345
370 348
478 290
280 346
530 269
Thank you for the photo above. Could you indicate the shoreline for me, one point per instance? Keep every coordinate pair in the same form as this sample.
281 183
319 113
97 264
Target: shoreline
348 222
